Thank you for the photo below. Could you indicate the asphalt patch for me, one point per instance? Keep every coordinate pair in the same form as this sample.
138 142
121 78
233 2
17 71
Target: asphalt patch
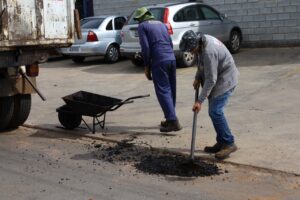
150 161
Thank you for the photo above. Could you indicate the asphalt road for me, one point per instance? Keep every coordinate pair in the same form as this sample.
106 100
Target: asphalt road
36 164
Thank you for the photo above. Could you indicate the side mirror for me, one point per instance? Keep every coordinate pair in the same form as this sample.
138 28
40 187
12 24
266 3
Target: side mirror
223 16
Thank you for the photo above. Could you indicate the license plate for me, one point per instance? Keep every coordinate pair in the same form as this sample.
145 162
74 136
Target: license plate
74 49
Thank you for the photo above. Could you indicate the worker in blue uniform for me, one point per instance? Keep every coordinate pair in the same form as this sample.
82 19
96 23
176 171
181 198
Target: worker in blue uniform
160 64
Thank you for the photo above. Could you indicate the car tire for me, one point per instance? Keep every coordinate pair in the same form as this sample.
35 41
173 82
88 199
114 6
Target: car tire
137 62
78 59
69 120
112 54
43 59
6 111
186 59
235 40
22 107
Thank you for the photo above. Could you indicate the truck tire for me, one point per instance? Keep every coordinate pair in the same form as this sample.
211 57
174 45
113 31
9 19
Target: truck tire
69 120
22 106
6 111
186 59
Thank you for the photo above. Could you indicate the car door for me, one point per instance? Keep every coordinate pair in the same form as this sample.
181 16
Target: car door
212 23
118 25
187 18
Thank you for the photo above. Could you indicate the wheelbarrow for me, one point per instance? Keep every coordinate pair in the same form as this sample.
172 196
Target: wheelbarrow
84 103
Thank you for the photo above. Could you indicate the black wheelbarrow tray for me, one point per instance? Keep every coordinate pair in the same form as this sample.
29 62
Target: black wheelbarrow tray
83 103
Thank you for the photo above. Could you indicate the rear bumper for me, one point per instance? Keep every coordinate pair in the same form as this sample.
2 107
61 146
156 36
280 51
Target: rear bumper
86 49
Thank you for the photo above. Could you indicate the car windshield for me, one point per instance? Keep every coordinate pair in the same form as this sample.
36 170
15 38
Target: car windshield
91 23
158 13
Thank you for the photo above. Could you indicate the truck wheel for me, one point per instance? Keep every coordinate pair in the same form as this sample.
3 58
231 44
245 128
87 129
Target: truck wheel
69 120
22 106
186 59
6 111
78 59
112 54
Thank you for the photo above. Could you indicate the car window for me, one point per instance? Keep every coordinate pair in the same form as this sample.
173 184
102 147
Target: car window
119 22
158 13
209 13
109 26
91 23
191 13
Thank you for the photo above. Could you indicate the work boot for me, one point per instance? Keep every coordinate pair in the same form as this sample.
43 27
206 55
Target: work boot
225 151
171 126
213 149
163 123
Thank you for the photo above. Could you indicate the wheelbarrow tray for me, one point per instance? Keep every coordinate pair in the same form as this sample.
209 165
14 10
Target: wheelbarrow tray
90 104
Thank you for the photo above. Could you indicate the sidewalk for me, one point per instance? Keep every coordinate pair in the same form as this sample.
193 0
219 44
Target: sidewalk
263 114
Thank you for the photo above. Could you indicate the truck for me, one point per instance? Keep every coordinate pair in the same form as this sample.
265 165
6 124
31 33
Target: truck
28 31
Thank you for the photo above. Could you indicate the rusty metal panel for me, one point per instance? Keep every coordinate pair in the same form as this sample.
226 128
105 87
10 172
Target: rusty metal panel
56 17
21 20
41 23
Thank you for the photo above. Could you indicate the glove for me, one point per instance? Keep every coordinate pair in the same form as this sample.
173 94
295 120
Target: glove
148 73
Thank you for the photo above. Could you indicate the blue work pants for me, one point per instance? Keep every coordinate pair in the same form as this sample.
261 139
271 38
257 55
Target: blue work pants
216 113
164 79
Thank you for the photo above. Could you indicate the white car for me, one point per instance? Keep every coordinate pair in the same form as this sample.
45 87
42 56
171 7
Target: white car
100 37
179 18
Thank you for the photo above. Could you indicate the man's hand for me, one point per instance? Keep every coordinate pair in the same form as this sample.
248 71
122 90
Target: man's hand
196 84
148 73
197 106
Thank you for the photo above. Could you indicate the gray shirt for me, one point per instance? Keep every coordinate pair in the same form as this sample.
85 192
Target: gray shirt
216 69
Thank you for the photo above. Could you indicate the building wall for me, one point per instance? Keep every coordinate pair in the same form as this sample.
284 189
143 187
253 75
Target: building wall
263 22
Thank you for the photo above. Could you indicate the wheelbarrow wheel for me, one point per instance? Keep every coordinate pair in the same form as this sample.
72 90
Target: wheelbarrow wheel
69 120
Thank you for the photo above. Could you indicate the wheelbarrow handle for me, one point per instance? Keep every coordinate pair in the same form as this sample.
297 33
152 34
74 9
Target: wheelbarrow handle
137 97
126 101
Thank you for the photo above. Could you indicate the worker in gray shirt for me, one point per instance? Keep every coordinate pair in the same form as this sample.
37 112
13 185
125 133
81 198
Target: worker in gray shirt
218 76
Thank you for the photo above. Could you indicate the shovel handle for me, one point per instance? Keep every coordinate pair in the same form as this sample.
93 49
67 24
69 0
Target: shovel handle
194 127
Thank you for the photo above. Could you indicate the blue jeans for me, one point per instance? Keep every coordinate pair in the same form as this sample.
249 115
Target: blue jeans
216 113
164 79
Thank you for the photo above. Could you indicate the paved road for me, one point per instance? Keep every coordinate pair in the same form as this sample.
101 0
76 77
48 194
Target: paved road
264 112
47 165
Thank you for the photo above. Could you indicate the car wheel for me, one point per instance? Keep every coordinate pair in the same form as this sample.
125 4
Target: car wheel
137 62
6 111
112 54
77 59
22 106
234 42
43 59
186 59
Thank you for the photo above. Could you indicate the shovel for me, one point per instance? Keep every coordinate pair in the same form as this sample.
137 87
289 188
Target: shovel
191 166
194 128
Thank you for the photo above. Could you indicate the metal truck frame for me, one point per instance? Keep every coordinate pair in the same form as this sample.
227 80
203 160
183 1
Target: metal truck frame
28 30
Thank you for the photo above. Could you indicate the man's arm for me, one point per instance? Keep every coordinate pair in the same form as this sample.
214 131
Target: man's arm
144 45
210 62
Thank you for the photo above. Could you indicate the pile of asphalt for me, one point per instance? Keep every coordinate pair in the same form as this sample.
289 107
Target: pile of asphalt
151 161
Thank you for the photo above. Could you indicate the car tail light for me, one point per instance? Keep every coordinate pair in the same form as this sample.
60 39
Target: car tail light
166 21
32 70
92 37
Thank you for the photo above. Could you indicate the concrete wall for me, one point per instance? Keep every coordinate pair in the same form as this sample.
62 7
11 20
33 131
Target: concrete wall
264 22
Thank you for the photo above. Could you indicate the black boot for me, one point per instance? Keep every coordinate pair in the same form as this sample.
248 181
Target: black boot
213 149
170 126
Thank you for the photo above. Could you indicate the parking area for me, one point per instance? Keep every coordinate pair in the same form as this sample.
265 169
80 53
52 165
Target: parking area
264 112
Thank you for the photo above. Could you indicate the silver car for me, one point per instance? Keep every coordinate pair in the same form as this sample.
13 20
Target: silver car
179 18
100 37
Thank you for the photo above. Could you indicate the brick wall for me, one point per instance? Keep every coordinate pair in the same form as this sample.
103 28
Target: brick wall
263 22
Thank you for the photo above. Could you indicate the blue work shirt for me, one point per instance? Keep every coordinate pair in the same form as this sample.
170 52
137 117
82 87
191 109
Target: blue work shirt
156 42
